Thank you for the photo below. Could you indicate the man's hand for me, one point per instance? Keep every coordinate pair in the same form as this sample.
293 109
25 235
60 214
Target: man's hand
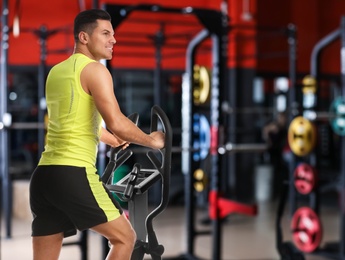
119 142
158 137
112 140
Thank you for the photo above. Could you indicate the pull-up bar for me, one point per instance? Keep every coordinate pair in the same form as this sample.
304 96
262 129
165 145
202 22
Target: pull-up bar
210 19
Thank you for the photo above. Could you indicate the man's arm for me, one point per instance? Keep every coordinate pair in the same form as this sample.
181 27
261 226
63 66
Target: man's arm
97 81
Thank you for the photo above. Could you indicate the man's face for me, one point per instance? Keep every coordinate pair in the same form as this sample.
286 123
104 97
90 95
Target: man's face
101 41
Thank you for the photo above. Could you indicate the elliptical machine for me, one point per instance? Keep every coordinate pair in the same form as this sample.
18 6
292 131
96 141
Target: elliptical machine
133 188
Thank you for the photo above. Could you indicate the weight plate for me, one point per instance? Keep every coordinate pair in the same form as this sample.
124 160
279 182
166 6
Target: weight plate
201 85
202 138
306 229
304 178
337 121
301 136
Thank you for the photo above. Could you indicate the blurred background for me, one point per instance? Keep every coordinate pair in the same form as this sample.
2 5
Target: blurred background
254 91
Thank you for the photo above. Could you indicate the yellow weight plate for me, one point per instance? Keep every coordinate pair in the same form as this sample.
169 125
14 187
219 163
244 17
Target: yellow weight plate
309 85
201 85
200 180
199 174
301 136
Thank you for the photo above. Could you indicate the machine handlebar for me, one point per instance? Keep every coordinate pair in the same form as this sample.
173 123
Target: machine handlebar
159 118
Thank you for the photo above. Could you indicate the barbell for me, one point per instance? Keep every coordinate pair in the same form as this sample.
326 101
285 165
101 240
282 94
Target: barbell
27 125
228 148
9 124
238 148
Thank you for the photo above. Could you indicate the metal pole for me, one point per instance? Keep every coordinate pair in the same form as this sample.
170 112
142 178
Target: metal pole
6 189
292 42
318 48
215 160
186 137
293 110
342 167
158 90
220 166
43 35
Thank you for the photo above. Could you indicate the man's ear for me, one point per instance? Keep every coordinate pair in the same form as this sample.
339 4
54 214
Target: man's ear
83 37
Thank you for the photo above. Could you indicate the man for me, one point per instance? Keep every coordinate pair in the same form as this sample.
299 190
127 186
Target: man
65 191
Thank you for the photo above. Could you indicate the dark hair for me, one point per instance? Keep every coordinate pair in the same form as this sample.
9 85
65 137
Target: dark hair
87 21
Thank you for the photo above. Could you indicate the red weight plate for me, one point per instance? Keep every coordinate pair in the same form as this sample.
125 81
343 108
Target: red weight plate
306 230
304 178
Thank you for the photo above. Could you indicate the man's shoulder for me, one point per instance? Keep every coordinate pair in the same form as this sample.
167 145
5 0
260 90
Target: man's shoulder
95 67
61 63
81 56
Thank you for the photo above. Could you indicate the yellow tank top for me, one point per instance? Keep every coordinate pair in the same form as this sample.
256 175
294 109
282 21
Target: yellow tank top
74 123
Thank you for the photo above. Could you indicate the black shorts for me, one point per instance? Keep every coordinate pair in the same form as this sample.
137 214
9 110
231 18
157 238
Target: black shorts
67 198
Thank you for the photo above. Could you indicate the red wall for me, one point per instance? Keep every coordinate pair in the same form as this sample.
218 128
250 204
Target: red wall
25 49
314 19
249 47
59 15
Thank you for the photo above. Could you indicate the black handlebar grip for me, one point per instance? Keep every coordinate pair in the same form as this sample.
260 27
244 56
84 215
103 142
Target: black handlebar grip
132 179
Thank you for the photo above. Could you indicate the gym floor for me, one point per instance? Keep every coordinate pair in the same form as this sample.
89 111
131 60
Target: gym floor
244 237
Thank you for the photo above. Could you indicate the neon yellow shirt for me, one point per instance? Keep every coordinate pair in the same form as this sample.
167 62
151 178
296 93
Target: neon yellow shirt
74 123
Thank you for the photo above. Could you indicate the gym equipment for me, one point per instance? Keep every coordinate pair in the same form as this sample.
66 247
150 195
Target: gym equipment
306 226
337 108
306 229
336 115
201 85
221 207
305 178
202 140
215 24
237 148
301 136
134 186
27 125
309 84
200 180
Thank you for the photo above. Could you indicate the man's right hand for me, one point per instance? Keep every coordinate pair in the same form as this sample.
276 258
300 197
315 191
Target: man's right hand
158 138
